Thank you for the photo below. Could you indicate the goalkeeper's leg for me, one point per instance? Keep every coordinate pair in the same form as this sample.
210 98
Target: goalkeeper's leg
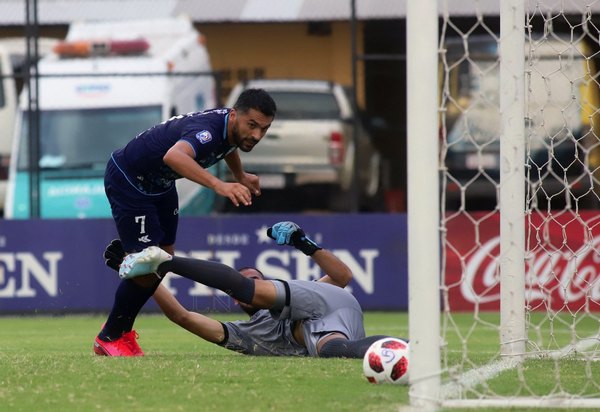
261 294
344 348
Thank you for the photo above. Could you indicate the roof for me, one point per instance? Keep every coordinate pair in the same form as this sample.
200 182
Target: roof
12 12
290 84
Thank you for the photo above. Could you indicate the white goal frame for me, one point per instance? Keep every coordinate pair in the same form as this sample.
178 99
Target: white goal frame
424 234
423 202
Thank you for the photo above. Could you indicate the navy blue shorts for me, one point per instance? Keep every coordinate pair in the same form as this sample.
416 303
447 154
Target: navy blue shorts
142 220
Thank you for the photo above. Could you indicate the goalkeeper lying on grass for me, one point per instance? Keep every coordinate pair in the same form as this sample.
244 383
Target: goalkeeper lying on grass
288 318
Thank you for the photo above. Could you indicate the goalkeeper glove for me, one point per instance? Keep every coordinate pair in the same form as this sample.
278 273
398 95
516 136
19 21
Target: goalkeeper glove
289 233
114 254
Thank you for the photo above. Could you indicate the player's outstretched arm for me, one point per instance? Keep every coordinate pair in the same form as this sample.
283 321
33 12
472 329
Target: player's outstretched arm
289 233
200 325
180 158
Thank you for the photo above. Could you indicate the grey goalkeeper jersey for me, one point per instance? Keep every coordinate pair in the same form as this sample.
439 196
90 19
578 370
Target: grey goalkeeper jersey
263 335
320 307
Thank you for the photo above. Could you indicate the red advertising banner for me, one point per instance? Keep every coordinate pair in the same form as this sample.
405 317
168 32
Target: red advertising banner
562 261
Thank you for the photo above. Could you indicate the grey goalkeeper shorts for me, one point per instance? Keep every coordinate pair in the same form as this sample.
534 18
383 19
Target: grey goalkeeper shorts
322 308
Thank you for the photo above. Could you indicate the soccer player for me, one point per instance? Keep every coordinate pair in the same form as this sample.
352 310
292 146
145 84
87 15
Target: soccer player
140 186
288 318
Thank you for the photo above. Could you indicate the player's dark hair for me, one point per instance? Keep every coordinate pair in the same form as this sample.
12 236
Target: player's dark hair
262 275
257 99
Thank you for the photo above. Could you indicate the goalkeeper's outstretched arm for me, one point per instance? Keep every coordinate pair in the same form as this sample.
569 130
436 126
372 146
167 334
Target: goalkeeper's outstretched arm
336 272
289 233
196 323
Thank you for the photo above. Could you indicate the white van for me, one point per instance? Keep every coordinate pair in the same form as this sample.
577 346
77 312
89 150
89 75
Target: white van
104 84
8 108
12 58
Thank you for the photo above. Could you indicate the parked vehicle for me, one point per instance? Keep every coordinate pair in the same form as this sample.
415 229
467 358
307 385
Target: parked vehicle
309 151
104 84
12 60
8 98
561 105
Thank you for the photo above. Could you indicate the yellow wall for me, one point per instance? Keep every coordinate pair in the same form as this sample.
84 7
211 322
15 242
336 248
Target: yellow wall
281 50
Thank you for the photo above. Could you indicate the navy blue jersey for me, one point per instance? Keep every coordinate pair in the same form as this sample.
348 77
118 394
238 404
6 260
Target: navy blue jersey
141 160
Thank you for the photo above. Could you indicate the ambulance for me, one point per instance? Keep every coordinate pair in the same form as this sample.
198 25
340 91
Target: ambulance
8 97
13 52
98 89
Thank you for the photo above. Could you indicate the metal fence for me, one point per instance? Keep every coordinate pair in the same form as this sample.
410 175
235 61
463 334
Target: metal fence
38 24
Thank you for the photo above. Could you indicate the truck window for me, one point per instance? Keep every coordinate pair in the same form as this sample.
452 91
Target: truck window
84 139
553 101
305 105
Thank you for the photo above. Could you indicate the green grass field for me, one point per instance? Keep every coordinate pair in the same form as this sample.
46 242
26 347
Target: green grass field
46 364
563 358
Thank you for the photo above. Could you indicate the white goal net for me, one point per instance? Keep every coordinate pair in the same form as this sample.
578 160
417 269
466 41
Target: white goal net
518 162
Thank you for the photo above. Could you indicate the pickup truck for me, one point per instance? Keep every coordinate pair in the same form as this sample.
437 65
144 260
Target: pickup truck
308 154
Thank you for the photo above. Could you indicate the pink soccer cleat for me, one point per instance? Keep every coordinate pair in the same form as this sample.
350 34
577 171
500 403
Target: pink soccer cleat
126 345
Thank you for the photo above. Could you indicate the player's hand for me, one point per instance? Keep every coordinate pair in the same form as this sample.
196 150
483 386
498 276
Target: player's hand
251 182
289 233
114 254
236 192
282 232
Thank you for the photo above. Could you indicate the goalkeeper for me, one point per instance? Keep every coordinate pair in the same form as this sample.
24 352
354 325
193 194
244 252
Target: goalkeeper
288 318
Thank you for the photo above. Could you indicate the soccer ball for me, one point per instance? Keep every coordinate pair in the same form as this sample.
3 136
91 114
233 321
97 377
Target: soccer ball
386 361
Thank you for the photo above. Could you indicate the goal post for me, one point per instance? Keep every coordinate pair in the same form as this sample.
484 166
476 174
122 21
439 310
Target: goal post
423 204
512 177
503 166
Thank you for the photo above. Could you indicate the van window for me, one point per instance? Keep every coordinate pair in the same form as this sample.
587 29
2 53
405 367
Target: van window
305 105
84 139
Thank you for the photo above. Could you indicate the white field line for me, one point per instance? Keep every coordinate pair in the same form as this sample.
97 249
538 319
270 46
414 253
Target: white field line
474 377
581 346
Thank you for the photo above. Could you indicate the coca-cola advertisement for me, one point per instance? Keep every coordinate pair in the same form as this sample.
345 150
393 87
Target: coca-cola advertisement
561 261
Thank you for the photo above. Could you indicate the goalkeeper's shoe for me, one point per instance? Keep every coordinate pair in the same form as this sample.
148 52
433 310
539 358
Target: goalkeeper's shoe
126 345
143 263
